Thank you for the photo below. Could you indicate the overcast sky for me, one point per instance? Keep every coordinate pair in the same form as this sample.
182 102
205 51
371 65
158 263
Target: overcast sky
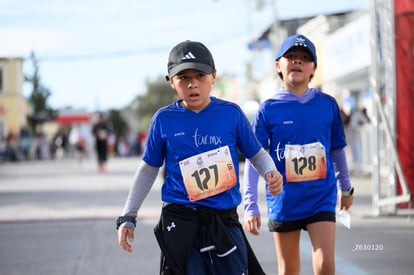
97 54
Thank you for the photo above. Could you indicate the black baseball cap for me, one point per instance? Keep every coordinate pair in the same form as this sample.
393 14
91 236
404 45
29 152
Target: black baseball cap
190 55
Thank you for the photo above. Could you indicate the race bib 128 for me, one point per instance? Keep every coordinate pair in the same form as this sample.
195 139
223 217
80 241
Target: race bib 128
305 162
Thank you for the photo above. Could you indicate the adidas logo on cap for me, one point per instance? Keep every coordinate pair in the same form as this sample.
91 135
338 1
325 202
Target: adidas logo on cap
189 55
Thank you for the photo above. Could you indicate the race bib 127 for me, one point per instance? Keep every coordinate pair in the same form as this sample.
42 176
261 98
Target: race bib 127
208 174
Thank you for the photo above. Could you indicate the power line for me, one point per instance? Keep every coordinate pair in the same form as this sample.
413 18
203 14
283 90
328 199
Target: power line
100 56
124 53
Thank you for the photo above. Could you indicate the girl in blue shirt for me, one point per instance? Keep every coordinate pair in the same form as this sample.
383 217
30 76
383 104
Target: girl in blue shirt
302 129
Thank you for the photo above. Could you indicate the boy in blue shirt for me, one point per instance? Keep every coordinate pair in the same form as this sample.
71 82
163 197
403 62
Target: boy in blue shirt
197 138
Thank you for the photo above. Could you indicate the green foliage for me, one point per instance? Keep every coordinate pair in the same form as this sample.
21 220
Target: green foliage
118 123
40 110
159 93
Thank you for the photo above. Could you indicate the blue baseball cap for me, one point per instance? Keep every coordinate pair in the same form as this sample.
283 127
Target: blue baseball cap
297 40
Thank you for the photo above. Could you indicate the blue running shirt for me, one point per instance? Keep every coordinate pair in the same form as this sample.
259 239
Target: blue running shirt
177 133
282 122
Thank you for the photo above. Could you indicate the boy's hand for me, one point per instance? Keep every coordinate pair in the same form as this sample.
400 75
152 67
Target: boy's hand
252 224
124 235
275 182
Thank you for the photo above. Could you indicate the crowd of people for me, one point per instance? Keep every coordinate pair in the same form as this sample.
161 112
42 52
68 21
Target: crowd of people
73 141
24 146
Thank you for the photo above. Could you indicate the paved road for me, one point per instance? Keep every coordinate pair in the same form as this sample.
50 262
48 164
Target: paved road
57 217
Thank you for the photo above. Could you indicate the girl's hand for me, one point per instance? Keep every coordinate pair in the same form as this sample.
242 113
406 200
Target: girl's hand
252 224
345 202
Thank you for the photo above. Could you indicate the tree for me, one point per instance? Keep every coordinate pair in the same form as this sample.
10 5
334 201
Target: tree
159 93
40 111
118 123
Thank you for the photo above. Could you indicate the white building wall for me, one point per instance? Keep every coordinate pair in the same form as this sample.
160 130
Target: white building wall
347 51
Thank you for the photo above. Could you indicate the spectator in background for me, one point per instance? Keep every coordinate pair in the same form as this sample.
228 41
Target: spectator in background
111 143
142 137
25 142
12 146
101 132
344 117
59 144
78 140
358 119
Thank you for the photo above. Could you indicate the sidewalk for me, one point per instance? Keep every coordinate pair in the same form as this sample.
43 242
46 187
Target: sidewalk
53 184
67 189
58 218
362 205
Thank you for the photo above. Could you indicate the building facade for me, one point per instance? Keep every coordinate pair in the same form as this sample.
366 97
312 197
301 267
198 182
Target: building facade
13 105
